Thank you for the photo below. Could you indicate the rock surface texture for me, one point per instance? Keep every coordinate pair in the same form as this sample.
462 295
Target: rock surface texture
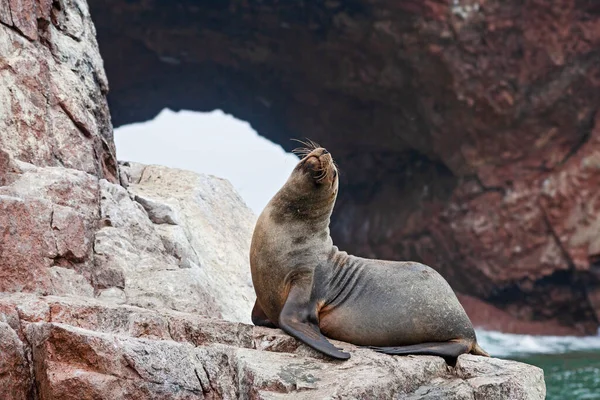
132 281
175 239
467 131
76 348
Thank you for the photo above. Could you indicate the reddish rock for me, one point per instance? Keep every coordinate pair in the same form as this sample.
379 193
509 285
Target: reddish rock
485 316
47 220
53 88
15 379
56 144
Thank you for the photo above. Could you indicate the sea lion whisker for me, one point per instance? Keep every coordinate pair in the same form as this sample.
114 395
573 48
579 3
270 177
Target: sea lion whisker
321 168
309 144
323 174
301 151
315 144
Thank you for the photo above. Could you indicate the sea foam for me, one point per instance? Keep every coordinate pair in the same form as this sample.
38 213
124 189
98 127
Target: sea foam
500 344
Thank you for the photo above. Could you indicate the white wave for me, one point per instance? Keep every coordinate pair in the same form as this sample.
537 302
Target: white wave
500 344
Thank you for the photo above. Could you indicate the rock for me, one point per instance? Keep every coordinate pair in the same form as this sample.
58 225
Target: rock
157 212
56 143
53 110
497 379
48 216
466 131
491 318
178 240
85 348
15 377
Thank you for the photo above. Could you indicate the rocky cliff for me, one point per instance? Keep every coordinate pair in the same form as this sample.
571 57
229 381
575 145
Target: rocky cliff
467 131
133 281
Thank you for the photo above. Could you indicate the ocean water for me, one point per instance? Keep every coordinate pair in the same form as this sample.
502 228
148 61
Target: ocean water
571 364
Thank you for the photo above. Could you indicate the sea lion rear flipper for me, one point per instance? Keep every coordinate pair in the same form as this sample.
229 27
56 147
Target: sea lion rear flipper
259 318
478 351
299 319
443 349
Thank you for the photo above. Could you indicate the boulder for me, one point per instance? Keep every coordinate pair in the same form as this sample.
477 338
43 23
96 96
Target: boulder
175 239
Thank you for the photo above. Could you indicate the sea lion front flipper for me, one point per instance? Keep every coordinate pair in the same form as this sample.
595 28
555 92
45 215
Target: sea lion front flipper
299 319
259 318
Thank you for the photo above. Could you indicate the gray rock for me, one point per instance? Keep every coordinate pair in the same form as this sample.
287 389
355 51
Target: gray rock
182 243
158 212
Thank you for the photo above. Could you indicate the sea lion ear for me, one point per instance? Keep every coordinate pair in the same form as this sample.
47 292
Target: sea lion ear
299 319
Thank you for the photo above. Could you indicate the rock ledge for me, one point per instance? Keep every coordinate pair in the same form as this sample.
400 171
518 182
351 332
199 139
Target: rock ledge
80 348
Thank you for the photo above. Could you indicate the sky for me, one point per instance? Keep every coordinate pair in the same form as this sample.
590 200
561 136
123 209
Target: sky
212 143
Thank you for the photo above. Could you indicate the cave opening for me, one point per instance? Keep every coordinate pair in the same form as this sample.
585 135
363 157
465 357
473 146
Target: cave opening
214 143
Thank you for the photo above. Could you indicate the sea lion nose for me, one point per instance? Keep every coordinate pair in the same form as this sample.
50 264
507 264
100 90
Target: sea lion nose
325 151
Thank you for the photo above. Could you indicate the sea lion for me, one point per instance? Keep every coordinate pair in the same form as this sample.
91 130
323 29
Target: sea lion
313 291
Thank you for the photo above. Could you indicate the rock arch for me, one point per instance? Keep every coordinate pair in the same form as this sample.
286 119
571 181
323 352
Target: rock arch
467 132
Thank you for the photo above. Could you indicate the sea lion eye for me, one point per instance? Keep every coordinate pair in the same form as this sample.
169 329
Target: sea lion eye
334 173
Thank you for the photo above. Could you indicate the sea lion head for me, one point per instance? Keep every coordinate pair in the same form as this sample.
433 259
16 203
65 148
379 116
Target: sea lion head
310 191
316 173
